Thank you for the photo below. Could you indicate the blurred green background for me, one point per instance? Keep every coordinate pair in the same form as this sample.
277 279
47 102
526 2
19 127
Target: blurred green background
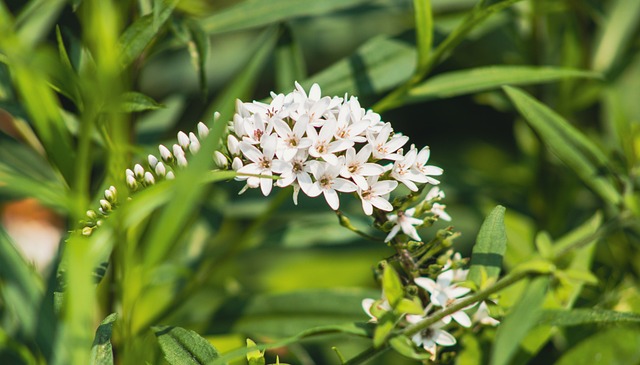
70 126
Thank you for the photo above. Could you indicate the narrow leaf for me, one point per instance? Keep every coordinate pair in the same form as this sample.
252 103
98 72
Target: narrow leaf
255 13
490 247
137 102
391 286
139 34
199 51
619 29
406 347
35 21
182 347
456 83
566 142
101 351
522 318
584 316
289 61
424 34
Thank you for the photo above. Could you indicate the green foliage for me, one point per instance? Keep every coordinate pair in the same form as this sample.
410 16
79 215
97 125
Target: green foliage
182 346
491 244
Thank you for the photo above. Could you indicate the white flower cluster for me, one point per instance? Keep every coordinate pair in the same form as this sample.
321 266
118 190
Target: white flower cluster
443 292
323 145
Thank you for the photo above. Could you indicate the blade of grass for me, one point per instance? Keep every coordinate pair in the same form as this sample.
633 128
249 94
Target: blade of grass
619 29
34 22
424 35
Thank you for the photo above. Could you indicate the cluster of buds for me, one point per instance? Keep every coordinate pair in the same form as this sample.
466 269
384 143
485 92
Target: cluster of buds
108 202
323 145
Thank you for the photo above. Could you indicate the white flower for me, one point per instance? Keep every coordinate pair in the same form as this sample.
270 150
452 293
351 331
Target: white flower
383 147
432 336
368 303
322 145
438 210
356 166
350 125
434 193
402 171
263 163
406 222
483 316
256 129
328 183
291 141
443 293
374 195
427 170
296 172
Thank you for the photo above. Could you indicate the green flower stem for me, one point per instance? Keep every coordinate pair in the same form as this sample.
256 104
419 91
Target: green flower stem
367 355
346 223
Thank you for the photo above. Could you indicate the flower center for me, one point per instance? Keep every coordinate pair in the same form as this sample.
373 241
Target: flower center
325 182
257 134
265 164
353 168
322 148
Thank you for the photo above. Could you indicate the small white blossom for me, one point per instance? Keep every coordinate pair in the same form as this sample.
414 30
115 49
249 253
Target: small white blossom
404 221
438 210
328 183
374 195
443 293
431 337
368 303
420 165
483 316
403 172
263 163
356 166
383 147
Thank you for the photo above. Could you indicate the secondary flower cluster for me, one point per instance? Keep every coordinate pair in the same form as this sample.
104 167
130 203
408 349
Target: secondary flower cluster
322 145
442 292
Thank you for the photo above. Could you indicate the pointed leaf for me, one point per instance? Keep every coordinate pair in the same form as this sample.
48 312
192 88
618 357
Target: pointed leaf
199 51
424 34
184 347
456 83
391 286
522 318
618 31
405 347
137 102
584 316
566 142
490 247
101 351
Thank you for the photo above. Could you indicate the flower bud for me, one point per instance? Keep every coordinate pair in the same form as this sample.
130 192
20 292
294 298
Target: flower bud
138 171
194 145
233 145
182 161
216 116
105 205
86 231
161 170
236 164
128 173
131 182
203 130
183 140
149 179
220 160
109 196
177 150
153 161
165 154
91 214
170 175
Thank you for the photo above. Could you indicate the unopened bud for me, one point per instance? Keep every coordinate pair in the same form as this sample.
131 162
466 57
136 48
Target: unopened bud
160 169
109 196
177 150
236 164
86 231
138 171
165 154
92 214
194 145
181 160
233 145
170 175
220 160
216 116
153 161
203 130
129 172
149 179
183 140
105 205
131 182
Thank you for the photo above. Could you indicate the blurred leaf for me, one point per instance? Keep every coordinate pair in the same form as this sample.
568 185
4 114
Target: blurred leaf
584 234
406 347
424 35
101 351
354 329
391 286
385 324
582 316
137 102
243 83
199 51
289 61
254 357
138 35
490 247
455 83
15 182
522 318
377 66
181 346
409 306
615 346
619 28
36 19
20 290
287 314
566 142
255 13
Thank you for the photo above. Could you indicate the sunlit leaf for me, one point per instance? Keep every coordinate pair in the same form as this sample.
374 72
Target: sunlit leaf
490 247
584 316
36 19
199 51
101 351
181 346
424 33
407 348
615 346
137 102
618 30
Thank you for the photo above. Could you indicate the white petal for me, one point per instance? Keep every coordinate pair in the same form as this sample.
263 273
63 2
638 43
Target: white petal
392 233
462 318
331 196
250 151
444 338
381 203
426 283
344 186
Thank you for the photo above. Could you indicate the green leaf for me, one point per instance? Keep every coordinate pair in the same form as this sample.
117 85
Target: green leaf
566 142
391 286
289 61
583 316
137 102
101 351
254 357
181 346
288 314
385 325
544 244
408 306
490 247
522 318
405 347
616 346
199 51
456 83
424 34
377 66
20 290
255 13
139 34
35 20
618 31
